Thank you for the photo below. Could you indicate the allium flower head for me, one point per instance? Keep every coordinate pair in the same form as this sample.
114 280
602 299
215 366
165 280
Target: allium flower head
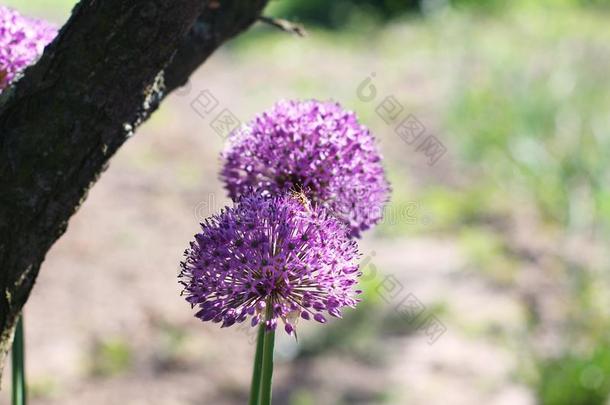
315 147
22 41
270 259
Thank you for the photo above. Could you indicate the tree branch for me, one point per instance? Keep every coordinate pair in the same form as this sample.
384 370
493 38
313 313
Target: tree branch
284 25
110 66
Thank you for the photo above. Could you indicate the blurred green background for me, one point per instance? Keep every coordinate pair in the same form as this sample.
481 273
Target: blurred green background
504 239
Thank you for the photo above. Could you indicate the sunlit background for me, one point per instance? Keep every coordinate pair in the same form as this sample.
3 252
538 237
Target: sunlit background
488 281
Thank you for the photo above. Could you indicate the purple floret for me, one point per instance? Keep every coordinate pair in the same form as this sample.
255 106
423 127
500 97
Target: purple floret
314 147
22 41
270 259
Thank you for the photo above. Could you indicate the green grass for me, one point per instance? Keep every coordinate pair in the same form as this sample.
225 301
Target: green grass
110 357
54 10
534 113
576 379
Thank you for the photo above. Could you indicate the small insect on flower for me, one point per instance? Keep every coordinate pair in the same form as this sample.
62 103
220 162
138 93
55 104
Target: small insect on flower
270 259
302 198
315 147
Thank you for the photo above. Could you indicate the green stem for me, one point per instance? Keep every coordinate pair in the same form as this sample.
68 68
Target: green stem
267 374
19 393
258 366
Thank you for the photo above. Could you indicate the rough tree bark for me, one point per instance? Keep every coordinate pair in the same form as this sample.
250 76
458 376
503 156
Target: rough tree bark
110 66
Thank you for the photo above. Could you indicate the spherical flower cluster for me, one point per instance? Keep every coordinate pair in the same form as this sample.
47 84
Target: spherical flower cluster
270 259
22 41
314 147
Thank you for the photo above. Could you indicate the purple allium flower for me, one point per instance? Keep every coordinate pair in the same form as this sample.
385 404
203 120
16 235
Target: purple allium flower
315 147
270 259
22 41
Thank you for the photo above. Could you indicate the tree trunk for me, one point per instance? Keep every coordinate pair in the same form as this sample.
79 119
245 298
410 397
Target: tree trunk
109 68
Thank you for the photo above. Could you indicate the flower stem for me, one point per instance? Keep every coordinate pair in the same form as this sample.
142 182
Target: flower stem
18 358
267 372
258 366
